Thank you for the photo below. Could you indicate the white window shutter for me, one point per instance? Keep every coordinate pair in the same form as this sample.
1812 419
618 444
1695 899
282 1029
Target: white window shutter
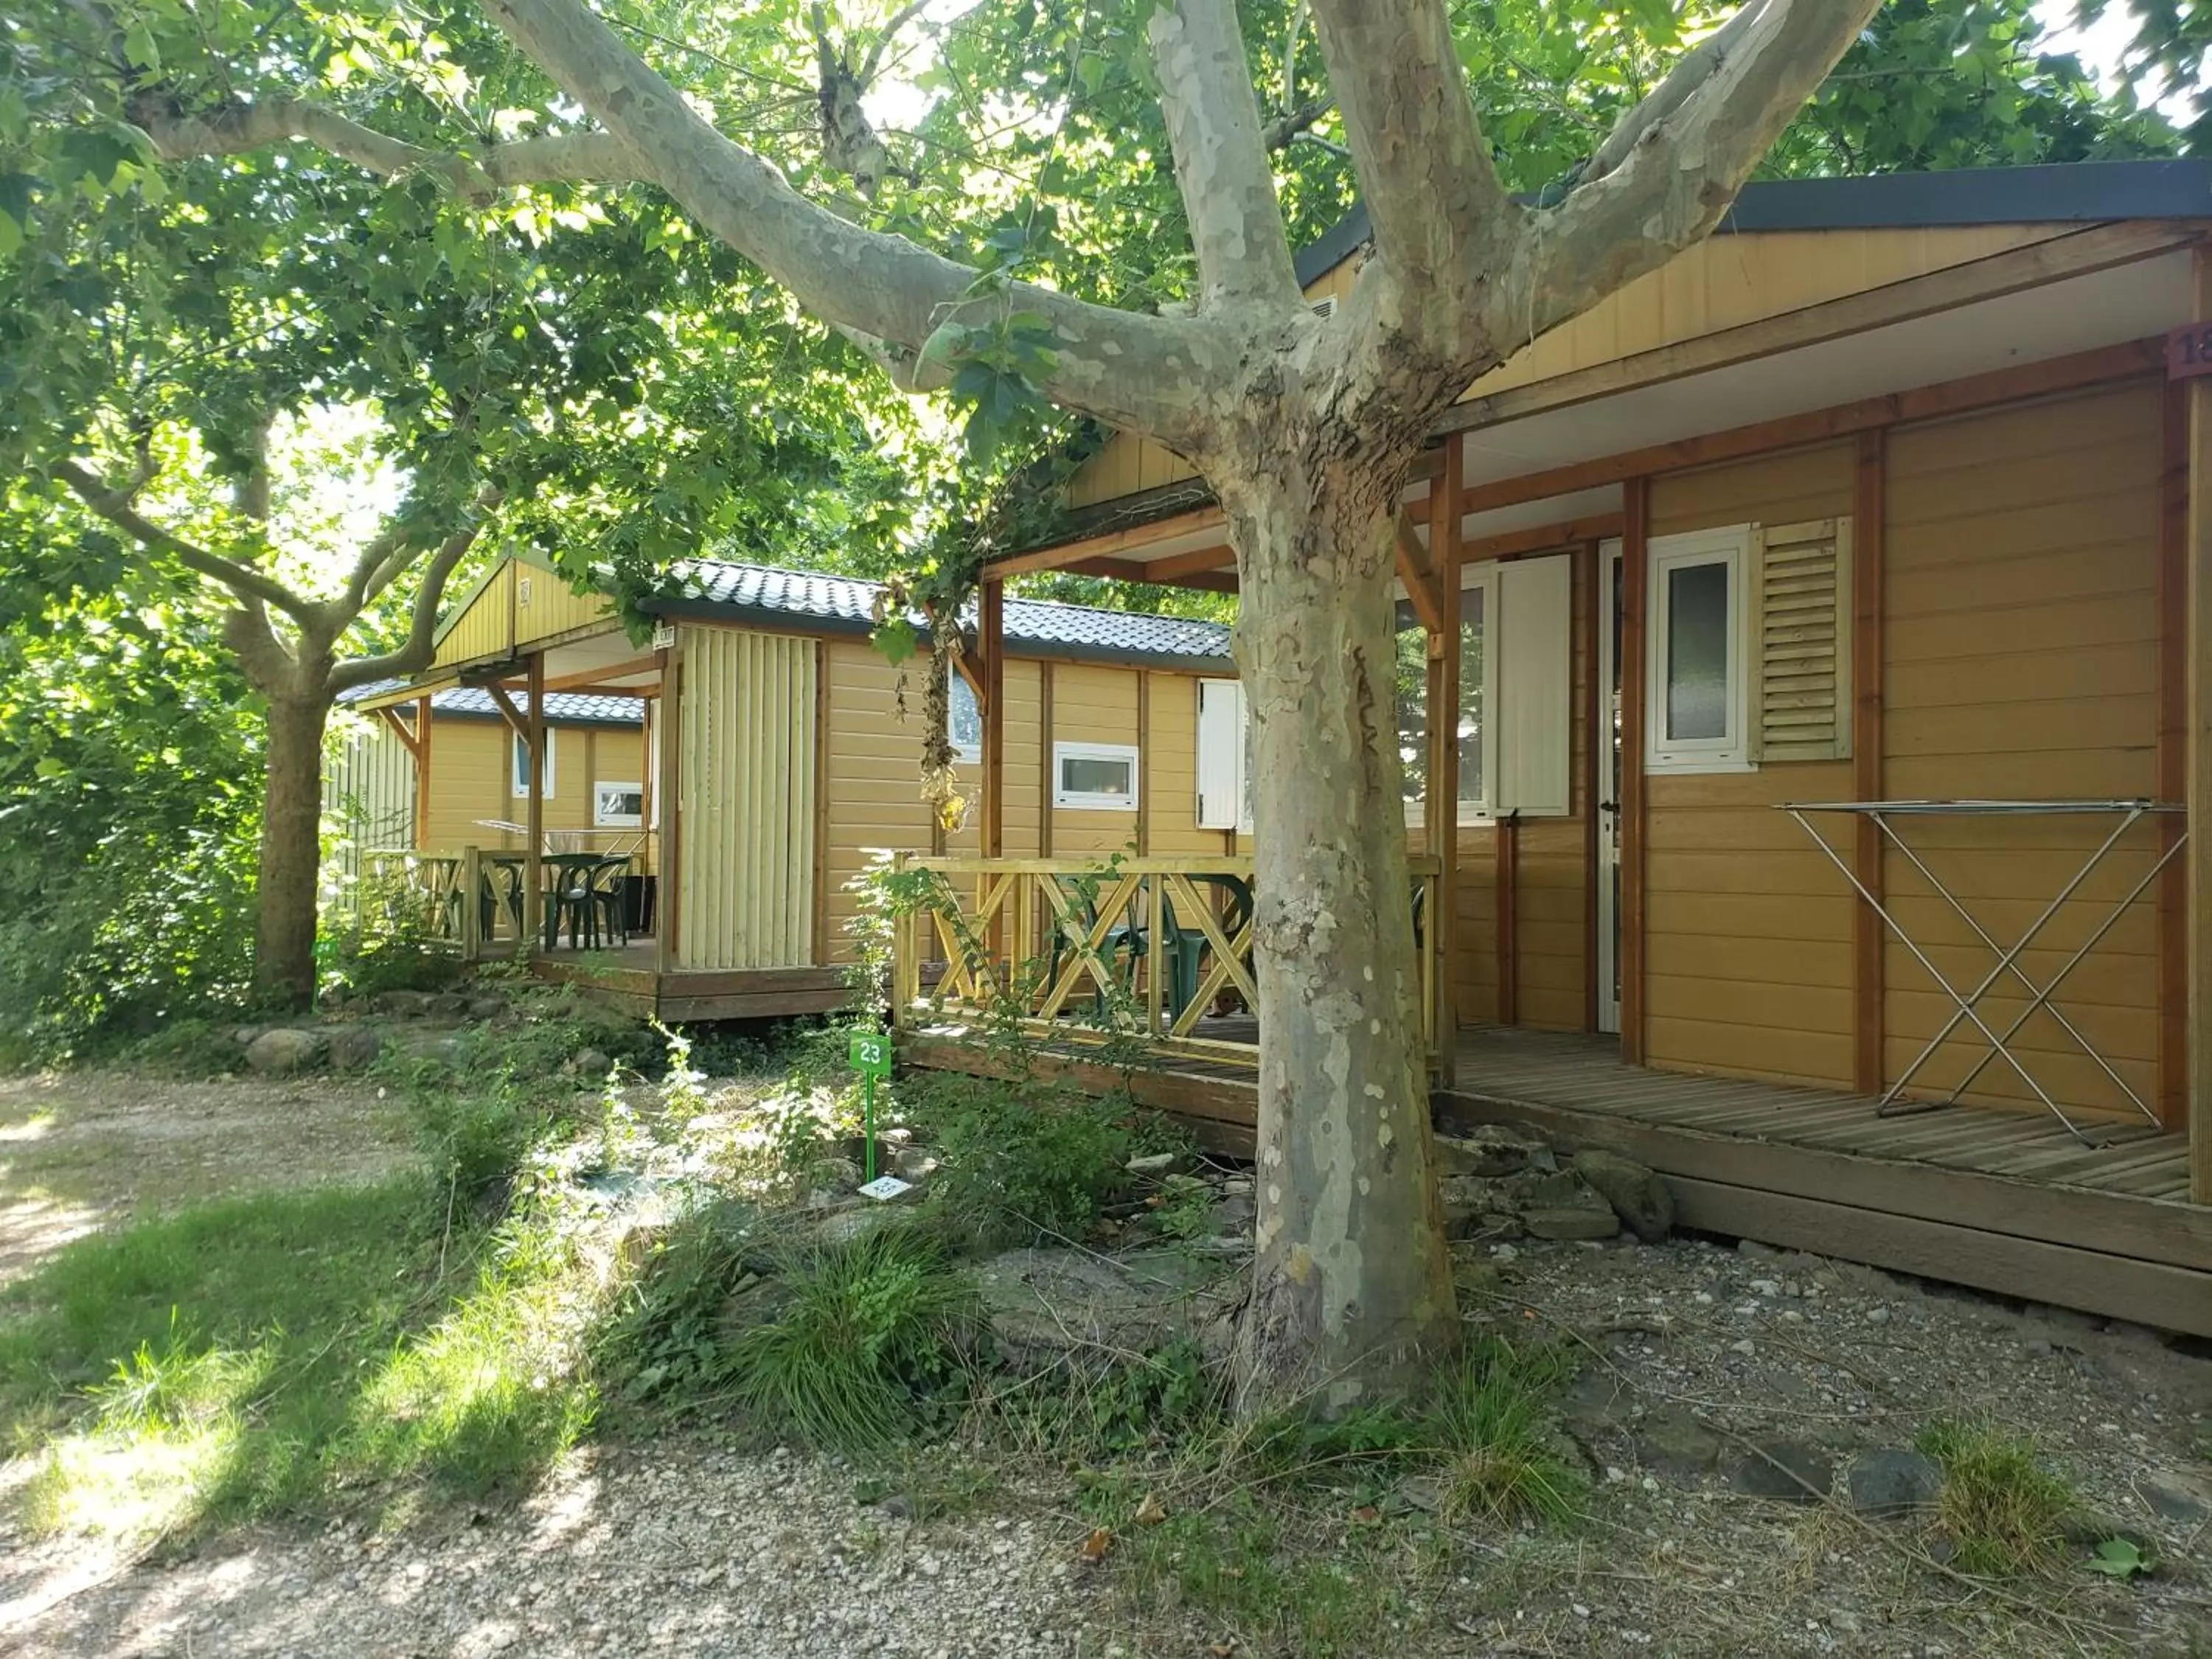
1534 639
1800 634
1220 754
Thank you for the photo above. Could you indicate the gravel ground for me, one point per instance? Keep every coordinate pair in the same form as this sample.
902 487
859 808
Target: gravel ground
683 1548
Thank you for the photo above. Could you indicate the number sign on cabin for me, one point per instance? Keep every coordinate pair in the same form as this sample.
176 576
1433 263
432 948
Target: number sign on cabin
2189 351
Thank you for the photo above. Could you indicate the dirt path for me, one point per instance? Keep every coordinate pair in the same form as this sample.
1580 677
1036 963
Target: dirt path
82 1150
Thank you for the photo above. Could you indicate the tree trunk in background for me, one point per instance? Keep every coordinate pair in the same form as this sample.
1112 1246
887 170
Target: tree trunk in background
291 853
1352 1291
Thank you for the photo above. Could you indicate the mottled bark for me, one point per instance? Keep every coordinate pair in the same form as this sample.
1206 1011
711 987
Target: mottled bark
1352 1289
291 852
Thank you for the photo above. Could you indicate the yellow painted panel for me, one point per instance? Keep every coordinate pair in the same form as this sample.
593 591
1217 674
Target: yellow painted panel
485 628
545 605
746 719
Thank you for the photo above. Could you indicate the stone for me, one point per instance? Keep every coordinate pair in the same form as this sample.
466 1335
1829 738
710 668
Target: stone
405 1003
1892 1482
1490 1150
913 1163
1478 1206
284 1051
355 1048
481 1007
1233 1214
2183 1499
1786 1470
243 1035
1048 1306
1153 1166
592 1063
1570 1224
1597 1403
1672 1441
1643 1200
447 1005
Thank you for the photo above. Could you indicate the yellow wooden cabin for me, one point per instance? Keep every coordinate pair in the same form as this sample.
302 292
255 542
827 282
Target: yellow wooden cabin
792 770
1826 821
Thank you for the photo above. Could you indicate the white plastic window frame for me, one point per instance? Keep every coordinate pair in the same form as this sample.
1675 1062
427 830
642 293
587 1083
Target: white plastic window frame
968 754
1480 577
1084 800
603 819
1729 547
518 764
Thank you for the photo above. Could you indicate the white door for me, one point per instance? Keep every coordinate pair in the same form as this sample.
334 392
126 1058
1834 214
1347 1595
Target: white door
1608 789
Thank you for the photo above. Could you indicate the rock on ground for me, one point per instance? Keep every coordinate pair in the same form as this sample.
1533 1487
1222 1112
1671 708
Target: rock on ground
283 1051
1048 1305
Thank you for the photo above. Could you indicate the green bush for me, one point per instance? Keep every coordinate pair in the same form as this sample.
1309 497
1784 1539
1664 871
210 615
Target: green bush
874 1330
664 1343
1023 1161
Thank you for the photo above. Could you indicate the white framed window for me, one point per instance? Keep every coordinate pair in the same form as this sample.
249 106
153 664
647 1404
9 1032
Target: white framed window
518 763
1225 757
617 805
965 718
1094 777
1697 696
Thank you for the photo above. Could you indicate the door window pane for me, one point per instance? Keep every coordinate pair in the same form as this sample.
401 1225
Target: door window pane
1696 651
1472 642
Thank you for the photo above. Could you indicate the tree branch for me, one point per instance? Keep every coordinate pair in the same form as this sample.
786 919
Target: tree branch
1128 369
1220 162
421 641
899 19
1712 121
1291 124
238 128
243 579
1443 220
267 664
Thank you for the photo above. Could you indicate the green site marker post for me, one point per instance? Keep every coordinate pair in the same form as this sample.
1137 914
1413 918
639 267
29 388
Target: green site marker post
871 1054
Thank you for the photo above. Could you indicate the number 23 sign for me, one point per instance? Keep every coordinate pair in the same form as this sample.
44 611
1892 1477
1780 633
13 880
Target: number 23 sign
2189 351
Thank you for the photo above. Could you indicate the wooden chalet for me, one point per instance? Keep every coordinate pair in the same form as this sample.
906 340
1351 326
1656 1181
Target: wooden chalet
1827 615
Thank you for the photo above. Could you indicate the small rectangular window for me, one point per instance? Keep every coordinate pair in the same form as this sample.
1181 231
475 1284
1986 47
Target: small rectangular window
519 766
965 719
1697 716
1094 776
617 805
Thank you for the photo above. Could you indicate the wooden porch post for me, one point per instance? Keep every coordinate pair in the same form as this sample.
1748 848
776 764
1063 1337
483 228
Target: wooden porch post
2197 584
991 633
666 917
1444 722
1868 509
1635 579
533 869
422 773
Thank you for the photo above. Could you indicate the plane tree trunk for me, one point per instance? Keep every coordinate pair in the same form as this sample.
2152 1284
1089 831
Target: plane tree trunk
1352 1293
291 851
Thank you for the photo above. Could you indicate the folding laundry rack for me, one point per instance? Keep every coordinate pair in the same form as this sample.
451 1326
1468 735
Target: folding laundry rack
1966 1002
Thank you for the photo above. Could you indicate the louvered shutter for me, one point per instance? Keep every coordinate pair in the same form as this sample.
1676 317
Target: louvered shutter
1220 754
1800 637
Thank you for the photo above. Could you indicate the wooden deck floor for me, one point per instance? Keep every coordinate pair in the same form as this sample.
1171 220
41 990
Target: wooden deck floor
628 977
2004 1201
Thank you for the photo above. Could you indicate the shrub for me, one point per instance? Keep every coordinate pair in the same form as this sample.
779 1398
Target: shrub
665 1342
1491 1415
1024 1161
875 1328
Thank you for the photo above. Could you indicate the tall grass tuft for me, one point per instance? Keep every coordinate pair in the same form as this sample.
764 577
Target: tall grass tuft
2005 1512
1493 1418
873 1327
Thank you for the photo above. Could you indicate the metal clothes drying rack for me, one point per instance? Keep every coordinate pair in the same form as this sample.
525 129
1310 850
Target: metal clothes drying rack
1880 812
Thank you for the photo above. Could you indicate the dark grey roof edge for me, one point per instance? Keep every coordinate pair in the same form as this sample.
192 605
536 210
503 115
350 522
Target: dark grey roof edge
2052 192
703 610
608 722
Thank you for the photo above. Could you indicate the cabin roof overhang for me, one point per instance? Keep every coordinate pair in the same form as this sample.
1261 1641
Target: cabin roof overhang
1968 275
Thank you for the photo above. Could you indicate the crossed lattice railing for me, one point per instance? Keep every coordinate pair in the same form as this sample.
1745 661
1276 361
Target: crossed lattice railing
1155 948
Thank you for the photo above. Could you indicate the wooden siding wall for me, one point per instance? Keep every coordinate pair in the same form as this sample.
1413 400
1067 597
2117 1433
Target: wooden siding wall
544 604
522 601
746 875
1748 929
470 780
875 801
368 797
2021 660
485 628
1550 899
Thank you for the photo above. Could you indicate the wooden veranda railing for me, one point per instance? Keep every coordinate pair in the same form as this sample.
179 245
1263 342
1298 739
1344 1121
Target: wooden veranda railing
436 890
1158 950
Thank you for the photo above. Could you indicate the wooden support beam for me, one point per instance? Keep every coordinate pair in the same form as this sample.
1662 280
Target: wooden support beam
668 911
596 678
991 697
1177 567
1635 573
517 722
1508 928
1044 760
1106 543
1419 576
2198 764
821 826
1543 538
2172 935
390 716
1144 762
2076 253
425 726
2081 369
533 867
1869 498
1590 573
